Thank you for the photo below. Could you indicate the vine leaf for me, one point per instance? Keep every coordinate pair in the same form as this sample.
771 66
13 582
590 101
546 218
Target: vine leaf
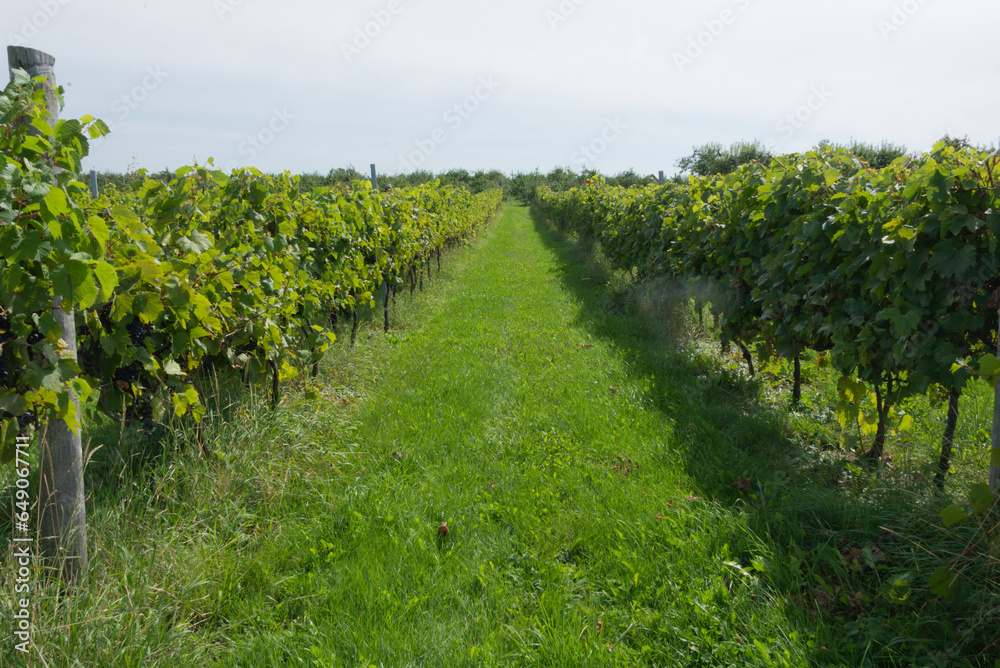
74 282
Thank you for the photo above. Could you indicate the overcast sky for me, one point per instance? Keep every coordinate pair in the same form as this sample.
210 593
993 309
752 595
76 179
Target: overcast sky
310 85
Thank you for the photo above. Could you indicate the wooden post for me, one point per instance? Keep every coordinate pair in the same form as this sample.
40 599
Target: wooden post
374 179
93 183
62 515
662 180
385 301
994 469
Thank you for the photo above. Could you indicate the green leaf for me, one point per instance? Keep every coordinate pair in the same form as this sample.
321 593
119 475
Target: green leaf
127 218
151 309
98 129
37 143
954 514
982 498
937 187
13 403
55 203
8 448
149 271
195 244
122 307
74 282
905 423
159 409
181 404
989 366
51 379
19 77
100 230
943 582
172 368
108 278
28 248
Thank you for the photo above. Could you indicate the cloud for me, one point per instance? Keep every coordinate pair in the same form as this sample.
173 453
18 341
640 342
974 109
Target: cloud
231 63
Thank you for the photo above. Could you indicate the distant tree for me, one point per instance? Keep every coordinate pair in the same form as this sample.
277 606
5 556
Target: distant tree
131 181
714 158
560 179
877 156
524 184
630 179
482 181
414 178
456 177
343 175
960 143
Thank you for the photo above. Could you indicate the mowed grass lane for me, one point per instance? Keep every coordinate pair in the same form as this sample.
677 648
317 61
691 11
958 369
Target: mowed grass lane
513 417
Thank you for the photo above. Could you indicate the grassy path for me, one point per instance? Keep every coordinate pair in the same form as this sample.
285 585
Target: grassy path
581 465
520 415
527 471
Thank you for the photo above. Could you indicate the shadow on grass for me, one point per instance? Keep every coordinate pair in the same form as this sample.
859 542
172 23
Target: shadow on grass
830 546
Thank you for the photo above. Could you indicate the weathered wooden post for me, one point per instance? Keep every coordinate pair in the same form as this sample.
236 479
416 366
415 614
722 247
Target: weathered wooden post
384 290
662 179
994 469
62 510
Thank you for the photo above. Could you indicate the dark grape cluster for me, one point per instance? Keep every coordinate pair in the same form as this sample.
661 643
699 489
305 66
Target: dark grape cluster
4 373
138 331
128 374
26 419
966 295
104 314
141 411
35 337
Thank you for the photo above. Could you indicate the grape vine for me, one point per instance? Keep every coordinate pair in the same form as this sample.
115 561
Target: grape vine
241 269
888 274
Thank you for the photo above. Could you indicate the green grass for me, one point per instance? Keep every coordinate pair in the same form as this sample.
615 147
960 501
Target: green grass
580 439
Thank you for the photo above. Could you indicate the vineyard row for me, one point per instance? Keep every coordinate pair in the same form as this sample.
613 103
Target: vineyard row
242 270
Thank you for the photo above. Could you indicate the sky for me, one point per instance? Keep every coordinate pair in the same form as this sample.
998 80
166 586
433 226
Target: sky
311 85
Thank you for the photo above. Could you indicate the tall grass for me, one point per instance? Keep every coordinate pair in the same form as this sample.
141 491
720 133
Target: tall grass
539 465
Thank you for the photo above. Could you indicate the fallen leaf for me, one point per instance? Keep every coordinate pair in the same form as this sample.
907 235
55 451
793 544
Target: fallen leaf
743 484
